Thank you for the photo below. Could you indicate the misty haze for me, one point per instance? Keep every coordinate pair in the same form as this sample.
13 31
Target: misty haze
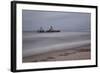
55 36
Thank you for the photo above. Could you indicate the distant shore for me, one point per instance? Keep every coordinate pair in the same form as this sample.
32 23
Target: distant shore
80 53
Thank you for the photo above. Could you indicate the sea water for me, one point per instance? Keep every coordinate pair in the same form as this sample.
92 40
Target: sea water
36 43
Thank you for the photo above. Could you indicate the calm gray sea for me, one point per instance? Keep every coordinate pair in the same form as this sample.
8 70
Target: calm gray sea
35 43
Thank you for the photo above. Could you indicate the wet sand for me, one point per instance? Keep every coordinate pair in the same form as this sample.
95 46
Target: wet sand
80 53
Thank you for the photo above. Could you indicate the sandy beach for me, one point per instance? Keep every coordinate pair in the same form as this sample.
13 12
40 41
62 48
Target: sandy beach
61 55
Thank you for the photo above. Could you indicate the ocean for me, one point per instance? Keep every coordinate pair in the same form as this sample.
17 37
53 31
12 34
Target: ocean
35 43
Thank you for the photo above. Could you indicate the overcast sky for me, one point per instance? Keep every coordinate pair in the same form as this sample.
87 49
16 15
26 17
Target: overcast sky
32 20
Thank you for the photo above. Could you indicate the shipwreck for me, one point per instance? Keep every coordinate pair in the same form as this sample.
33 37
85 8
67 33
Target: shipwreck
51 29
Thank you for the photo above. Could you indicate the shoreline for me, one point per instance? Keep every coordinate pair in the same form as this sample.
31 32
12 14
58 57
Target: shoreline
80 53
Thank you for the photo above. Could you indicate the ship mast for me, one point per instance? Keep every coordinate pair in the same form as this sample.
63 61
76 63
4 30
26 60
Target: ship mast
41 29
51 28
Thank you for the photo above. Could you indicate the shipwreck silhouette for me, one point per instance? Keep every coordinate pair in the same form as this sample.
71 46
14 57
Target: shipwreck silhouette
51 29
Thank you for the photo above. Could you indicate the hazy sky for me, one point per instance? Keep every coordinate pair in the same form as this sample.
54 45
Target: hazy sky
65 21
